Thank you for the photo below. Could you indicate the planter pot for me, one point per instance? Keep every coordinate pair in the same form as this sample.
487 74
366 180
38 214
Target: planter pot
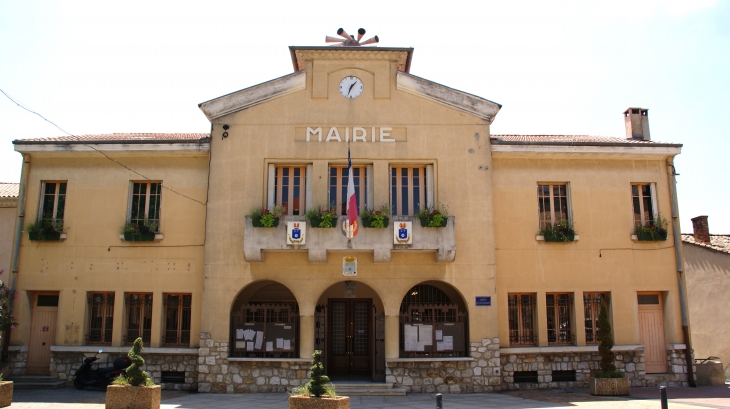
559 238
307 402
44 236
139 236
315 222
366 223
132 397
444 221
645 236
6 393
256 221
610 386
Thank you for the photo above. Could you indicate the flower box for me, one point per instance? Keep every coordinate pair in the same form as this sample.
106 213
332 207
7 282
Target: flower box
6 393
132 397
308 402
425 222
256 221
610 386
139 236
44 236
368 223
315 222
559 237
644 234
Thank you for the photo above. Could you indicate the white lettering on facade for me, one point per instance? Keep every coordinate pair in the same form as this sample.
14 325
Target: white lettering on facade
361 137
317 132
333 135
384 133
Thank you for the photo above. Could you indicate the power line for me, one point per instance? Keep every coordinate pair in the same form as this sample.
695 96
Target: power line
101 152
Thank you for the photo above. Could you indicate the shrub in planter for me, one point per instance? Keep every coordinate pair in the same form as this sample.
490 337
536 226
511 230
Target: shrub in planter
654 230
322 218
135 231
134 388
609 380
317 393
561 231
263 217
434 216
45 230
378 219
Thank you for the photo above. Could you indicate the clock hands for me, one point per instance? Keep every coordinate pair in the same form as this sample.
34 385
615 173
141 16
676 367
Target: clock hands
350 90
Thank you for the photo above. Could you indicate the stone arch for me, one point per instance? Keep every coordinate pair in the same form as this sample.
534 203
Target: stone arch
262 313
433 321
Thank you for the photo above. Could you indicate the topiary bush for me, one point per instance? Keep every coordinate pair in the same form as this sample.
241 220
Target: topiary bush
318 385
608 369
133 375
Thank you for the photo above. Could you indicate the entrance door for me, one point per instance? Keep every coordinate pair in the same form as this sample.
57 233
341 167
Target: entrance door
350 337
42 333
651 327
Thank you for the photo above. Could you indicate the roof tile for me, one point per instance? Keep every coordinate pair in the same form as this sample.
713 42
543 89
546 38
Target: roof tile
121 137
719 242
570 138
8 190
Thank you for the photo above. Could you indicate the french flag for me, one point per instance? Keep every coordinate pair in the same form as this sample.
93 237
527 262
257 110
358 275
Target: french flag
351 200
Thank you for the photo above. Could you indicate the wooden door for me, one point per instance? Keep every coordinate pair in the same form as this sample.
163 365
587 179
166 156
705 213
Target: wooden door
651 327
42 333
350 336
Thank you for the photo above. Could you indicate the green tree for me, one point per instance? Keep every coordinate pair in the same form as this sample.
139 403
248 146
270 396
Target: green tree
608 369
318 385
134 374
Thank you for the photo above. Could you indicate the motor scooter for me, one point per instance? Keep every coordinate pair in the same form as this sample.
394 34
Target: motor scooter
99 377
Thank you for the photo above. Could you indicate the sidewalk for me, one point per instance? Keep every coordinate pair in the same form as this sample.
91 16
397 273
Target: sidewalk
641 398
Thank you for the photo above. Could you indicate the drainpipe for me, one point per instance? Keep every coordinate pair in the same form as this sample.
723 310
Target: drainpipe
680 271
16 245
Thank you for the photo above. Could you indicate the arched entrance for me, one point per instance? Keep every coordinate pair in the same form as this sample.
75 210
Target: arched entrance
350 329
265 322
433 322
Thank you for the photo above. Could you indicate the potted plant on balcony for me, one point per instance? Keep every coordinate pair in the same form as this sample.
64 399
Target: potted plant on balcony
609 381
263 217
312 394
436 216
321 217
133 388
378 219
45 230
136 231
653 230
561 232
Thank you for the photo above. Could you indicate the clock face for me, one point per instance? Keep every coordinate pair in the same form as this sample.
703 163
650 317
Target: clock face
351 87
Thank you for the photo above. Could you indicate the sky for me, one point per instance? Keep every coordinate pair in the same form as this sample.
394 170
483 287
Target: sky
556 67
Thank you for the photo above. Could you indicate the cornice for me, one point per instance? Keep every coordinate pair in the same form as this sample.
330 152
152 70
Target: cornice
8 202
399 57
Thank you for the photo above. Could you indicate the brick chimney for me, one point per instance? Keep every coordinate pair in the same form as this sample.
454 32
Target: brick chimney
702 230
637 124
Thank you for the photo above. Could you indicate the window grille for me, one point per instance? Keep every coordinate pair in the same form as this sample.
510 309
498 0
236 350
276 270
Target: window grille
429 306
521 311
145 203
338 188
408 189
553 204
592 307
525 377
101 318
139 317
290 189
563 376
261 314
177 319
560 318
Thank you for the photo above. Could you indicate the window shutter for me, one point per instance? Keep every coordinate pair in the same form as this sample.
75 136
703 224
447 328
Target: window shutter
430 203
654 206
271 186
308 188
370 198
570 203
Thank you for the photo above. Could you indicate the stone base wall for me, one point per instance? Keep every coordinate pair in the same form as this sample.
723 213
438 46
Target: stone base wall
481 374
65 364
218 374
16 365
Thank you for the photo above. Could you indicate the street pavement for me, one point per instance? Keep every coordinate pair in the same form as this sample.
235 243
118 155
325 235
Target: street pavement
641 398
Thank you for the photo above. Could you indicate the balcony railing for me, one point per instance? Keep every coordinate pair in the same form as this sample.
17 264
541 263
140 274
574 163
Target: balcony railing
441 240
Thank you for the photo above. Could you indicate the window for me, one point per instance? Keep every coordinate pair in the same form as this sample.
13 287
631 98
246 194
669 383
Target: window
592 307
53 203
338 188
560 318
101 318
411 189
644 200
139 317
521 319
287 187
553 204
145 203
177 319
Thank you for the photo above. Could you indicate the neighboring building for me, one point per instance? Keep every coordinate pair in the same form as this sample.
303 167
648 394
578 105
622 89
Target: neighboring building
482 304
707 265
8 211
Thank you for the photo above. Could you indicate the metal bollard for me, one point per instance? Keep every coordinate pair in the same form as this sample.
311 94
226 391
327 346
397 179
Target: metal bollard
439 401
663 390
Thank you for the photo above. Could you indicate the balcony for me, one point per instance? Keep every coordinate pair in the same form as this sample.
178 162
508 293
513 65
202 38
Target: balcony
318 241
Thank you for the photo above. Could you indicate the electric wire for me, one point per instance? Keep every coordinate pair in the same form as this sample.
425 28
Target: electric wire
97 150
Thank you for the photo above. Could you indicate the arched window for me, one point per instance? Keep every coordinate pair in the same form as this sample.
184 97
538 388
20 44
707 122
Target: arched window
431 324
265 323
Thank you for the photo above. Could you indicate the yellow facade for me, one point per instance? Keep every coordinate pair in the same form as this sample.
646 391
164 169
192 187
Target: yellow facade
211 250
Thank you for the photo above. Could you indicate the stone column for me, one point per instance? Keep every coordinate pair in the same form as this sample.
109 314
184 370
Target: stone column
392 332
306 336
157 319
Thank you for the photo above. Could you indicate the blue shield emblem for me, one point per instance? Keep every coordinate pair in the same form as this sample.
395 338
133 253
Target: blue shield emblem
403 234
296 232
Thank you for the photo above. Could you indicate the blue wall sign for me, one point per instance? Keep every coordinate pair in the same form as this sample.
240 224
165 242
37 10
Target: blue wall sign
484 301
